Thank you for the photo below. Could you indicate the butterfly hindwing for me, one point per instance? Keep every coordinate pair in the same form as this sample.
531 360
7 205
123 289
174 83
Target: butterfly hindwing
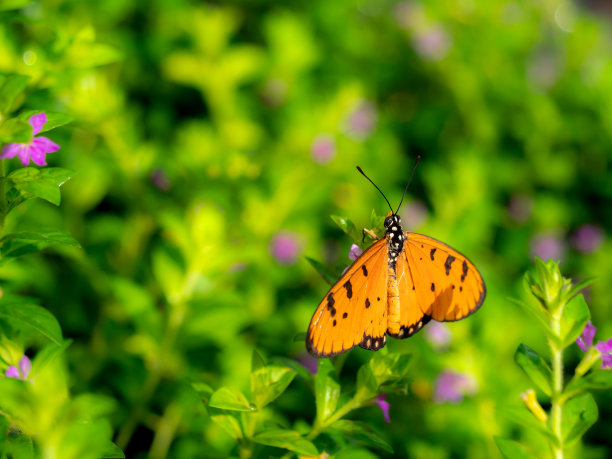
435 282
353 312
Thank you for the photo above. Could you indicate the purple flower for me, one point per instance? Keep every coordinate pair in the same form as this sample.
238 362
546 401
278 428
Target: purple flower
384 406
438 335
22 372
285 247
452 387
413 214
160 179
362 120
36 149
520 208
548 245
433 43
323 148
355 252
308 362
585 341
588 238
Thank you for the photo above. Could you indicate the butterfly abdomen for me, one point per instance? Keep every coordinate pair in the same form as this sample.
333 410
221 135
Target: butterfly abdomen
393 303
395 241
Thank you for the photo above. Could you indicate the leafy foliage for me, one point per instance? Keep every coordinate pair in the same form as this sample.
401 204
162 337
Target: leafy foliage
169 246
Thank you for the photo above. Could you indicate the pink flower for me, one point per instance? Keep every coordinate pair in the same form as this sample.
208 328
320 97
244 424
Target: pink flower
323 148
36 149
362 120
548 245
160 179
585 341
438 335
413 214
22 372
384 406
452 387
520 208
285 247
355 252
588 238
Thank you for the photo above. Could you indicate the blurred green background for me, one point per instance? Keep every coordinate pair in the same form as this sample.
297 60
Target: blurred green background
212 142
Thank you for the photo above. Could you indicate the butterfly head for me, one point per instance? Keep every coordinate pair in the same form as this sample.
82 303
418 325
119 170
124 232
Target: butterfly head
393 220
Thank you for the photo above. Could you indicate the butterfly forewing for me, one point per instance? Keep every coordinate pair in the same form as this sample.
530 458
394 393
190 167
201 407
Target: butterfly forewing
354 310
438 282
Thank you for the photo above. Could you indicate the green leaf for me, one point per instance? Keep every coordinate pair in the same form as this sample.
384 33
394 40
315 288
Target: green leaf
390 369
11 87
579 286
204 390
257 361
269 382
348 227
18 244
597 379
47 355
29 182
367 385
362 433
575 316
230 399
3 431
521 415
534 367
286 439
20 446
325 273
354 452
377 222
16 131
54 119
327 389
579 413
512 449
536 311
228 423
112 451
6 5
27 315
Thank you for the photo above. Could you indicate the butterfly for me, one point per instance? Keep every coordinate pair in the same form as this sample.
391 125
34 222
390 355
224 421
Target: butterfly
394 288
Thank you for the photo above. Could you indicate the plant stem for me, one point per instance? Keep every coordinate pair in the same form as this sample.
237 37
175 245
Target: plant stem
557 394
348 406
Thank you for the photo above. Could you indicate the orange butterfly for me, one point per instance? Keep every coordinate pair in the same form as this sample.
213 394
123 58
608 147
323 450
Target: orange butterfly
395 287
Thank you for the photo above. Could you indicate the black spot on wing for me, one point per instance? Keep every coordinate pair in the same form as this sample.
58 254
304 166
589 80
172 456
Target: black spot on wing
407 331
367 303
433 286
365 270
465 271
330 304
447 263
345 315
373 344
431 254
349 289
334 322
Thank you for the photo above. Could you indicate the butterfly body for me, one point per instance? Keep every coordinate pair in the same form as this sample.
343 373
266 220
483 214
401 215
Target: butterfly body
395 287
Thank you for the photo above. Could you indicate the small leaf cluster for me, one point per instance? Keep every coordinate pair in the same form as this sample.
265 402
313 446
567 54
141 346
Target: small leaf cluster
562 314
251 421
38 415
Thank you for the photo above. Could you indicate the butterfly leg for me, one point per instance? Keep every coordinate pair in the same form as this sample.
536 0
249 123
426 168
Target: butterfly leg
370 233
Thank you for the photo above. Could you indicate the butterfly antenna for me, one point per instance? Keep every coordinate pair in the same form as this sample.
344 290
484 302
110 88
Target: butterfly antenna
370 180
418 158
